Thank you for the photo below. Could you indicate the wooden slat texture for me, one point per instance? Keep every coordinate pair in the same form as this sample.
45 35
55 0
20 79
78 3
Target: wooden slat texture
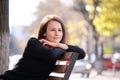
68 61
67 56
60 68
55 78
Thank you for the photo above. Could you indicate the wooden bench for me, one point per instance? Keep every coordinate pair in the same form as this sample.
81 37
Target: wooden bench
64 66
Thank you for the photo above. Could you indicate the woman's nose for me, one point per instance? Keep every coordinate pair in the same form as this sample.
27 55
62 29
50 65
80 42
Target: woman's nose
57 32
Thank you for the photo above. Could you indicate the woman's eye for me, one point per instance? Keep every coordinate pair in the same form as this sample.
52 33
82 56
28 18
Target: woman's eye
52 30
56 30
60 30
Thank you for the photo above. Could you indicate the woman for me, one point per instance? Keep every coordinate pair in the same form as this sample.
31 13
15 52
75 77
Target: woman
41 53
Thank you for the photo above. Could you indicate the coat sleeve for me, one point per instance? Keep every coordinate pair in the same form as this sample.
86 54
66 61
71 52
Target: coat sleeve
77 49
35 49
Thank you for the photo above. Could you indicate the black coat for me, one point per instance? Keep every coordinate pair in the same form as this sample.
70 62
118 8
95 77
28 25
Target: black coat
37 61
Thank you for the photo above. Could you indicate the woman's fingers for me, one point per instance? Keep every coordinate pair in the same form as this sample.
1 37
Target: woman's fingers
44 42
48 43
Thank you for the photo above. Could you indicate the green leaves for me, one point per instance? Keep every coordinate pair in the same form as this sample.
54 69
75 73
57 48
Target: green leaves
107 19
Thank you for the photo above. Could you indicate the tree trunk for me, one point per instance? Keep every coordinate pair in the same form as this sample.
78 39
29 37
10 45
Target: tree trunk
80 7
4 35
99 65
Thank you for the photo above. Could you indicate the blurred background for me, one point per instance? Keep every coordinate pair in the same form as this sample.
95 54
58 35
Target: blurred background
94 25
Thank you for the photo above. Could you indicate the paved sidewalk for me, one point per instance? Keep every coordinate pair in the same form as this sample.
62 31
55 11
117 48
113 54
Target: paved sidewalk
106 75
109 75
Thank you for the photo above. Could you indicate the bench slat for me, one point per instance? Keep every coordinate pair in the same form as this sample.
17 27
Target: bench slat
66 68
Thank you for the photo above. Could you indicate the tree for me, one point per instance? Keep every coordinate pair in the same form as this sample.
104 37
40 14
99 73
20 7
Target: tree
103 17
4 35
108 20
80 6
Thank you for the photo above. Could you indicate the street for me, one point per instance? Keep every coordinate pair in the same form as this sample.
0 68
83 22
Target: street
106 75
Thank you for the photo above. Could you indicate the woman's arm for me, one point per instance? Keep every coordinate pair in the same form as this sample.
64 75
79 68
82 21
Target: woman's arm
53 44
78 50
35 49
68 48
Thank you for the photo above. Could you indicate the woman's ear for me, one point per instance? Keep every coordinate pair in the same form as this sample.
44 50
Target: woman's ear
44 34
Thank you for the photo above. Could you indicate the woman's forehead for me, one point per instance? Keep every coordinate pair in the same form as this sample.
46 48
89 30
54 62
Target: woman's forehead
54 24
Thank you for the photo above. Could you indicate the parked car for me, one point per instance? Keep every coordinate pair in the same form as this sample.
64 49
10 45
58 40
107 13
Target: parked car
113 62
82 66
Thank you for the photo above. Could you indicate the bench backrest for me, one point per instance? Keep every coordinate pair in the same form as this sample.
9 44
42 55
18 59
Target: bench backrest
64 66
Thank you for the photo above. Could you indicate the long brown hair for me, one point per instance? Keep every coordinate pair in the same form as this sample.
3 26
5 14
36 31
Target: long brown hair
44 24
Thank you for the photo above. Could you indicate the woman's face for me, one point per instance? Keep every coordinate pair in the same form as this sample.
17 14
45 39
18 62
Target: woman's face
54 32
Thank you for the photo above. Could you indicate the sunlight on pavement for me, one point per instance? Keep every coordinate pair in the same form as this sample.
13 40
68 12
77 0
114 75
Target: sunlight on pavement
106 75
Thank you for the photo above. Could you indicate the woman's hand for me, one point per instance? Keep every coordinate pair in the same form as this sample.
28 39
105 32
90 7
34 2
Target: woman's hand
53 44
47 43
